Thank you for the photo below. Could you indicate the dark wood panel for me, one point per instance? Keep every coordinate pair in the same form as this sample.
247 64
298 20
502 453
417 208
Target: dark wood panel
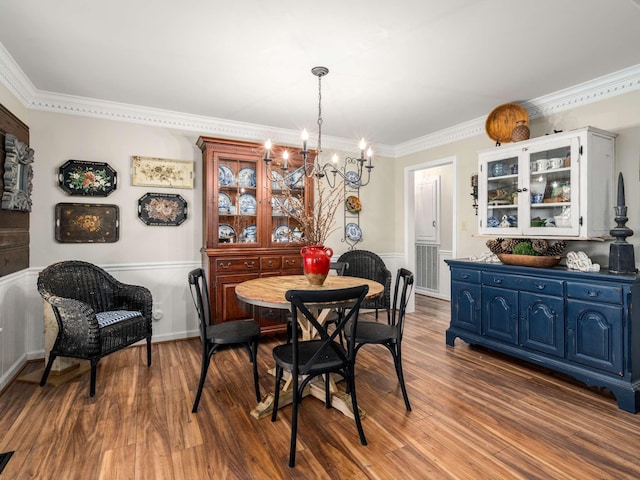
14 255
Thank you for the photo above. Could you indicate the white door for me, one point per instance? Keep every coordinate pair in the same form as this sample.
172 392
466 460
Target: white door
427 208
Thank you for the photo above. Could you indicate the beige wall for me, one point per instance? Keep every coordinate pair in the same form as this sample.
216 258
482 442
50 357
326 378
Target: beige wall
618 114
12 104
57 138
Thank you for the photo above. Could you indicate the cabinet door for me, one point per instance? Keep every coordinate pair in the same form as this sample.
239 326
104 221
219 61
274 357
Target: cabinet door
237 198
498 192
551 206
500 314
594 335
227 306
465 306
542 323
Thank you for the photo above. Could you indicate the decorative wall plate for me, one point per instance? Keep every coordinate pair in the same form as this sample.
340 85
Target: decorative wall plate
296 178
353 204
87 223
95 179
353 179
353 232
160 209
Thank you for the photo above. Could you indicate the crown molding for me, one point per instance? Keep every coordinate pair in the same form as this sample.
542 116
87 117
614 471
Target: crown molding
18 83
610 85
14 78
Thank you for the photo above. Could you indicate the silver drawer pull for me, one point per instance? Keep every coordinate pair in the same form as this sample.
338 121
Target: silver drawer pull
249 265
222 265
290 262
540 286
271 263
497 280
592 293
464 275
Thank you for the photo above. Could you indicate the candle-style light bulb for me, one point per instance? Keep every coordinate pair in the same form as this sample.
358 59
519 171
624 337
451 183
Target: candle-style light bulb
285 159
369 154
363 145
334 158
305 137
267 149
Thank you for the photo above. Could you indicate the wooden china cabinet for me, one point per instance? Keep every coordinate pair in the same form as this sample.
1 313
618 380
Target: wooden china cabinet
246 232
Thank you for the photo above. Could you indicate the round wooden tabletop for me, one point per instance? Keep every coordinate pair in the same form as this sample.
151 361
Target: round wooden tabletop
270 291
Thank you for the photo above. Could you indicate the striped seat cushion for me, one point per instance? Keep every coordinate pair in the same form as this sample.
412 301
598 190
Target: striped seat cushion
115 316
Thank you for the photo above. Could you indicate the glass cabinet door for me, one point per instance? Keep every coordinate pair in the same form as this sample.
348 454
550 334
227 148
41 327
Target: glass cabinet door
238 197
499 189
531 191
287 205
553 189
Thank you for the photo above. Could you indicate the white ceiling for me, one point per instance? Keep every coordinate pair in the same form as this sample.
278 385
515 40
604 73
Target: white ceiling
399 69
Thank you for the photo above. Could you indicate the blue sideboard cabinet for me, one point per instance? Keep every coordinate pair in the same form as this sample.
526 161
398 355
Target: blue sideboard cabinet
578 323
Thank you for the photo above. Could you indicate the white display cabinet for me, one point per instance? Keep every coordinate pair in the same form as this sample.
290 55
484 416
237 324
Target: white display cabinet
555 186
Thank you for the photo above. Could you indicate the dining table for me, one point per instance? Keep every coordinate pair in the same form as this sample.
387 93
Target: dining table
270 292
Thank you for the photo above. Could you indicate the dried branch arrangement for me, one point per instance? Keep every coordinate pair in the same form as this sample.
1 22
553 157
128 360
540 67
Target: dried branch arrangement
317 224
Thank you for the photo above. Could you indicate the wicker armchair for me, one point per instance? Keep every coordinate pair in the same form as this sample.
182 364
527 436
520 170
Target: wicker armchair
365 264
96 314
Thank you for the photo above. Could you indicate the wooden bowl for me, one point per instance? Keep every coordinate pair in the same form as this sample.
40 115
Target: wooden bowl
503 119
529 260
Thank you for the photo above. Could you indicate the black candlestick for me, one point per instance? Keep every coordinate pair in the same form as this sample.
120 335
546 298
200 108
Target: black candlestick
621 254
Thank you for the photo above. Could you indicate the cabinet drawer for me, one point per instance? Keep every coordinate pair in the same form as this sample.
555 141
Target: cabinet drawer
237 264
596 293
464 275
292 262
527 284
271 263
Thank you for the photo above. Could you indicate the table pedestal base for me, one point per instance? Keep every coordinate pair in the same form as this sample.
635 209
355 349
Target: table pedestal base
340 400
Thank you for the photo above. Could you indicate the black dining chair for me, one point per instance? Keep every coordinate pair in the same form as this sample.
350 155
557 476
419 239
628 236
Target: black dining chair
321 356
365 264
388 334
335 314
234 332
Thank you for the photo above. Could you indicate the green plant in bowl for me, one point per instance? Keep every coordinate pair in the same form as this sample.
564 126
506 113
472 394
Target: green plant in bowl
538 222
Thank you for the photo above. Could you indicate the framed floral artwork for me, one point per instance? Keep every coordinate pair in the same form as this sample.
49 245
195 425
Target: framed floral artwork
94 179
162 209
87 223
161 172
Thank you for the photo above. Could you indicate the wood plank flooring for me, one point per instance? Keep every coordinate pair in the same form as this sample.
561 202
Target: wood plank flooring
476 415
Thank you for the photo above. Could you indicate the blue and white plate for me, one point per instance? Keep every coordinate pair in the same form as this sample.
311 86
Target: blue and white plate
224 203
247 204
226 178
296 178
226 231
492 222
247 177
293 205
277 181
352 178
353 232
276 206
249 234
281 233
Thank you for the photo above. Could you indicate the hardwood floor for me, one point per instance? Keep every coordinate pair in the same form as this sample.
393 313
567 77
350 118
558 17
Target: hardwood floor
476 414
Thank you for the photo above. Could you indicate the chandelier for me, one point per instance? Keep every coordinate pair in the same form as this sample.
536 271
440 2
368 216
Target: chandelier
352 169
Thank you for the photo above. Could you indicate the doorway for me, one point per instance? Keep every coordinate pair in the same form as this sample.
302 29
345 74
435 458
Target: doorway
429 224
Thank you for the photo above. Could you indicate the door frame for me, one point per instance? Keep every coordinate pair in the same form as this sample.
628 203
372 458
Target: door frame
409 206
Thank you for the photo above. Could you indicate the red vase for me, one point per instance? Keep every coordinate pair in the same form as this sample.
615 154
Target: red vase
316 260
